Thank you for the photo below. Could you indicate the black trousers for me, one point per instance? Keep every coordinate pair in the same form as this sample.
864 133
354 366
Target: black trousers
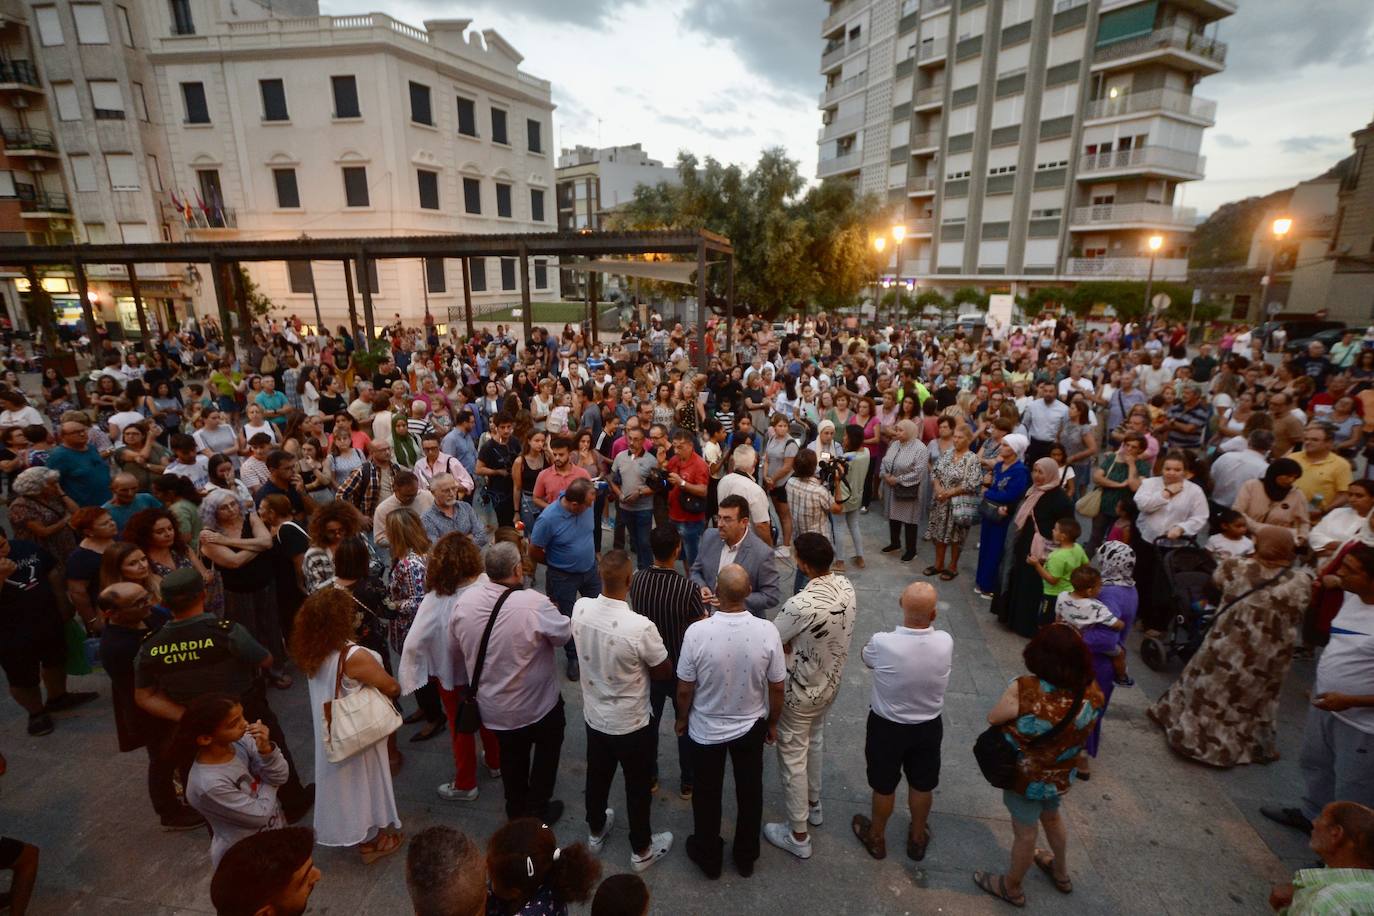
255 706
427 699
1038 448
504 507
529 763
894 532
708 762
663 693
162 767
633 753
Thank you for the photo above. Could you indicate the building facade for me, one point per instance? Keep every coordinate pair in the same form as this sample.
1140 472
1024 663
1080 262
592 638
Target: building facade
1023 142
1350 290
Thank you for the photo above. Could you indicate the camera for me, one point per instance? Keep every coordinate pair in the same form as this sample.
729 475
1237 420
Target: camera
657 480
830 468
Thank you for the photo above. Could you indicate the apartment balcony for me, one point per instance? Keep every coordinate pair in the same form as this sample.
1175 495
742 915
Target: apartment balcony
919 267
933 54
45 205
19 75
1063 6
839 165
927 142
1143 160
838 51
1127 268
920 226
1174 46
931 7
838 14
929 98
843 90
219 218
1133 216
840 127
920 185
1162 101
25 141
1207 9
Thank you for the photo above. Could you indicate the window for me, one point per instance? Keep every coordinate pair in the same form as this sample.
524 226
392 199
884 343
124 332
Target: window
197 111
135 233
345 97
503 200
420 111
154 173
955 176
472 195
83 172
68 102
355 186
95 233
537 205
288 195
299 277
126 29
435 281
107 100
273 100
90 24
429 189
182 23
1046 166
49 26
477 274
535 131
123 171
508 273
207 180
7 188
467 117
541 274
1003 170
498 127
140 101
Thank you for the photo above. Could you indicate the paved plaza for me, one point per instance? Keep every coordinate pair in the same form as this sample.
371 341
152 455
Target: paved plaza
1150 834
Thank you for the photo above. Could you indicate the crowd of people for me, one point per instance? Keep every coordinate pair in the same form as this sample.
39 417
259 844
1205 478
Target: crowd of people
425 533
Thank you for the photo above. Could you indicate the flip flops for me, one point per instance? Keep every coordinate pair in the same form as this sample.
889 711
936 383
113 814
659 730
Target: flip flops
863 831
1044 860
996 885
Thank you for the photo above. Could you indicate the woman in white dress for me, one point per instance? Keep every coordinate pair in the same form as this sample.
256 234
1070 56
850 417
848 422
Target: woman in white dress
354 801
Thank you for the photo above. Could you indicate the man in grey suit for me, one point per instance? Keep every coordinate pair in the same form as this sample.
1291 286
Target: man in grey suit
737 543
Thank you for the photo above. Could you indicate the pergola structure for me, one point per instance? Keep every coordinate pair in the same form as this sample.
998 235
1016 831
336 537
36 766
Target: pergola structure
357 255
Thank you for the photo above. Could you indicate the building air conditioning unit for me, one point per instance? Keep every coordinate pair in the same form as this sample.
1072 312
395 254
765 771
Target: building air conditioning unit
19 101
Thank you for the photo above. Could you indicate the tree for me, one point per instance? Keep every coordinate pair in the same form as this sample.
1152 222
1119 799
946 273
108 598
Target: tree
931 299
1034 304
968 295
259 305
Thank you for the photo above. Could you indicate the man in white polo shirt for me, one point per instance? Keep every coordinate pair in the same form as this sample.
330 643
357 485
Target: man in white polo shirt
620 651
730 689
1338 740
911 668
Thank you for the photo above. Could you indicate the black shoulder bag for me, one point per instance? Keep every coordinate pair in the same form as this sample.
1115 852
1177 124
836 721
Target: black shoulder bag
468 719
999 758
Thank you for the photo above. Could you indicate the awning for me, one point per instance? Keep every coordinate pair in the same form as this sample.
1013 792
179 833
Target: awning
664 271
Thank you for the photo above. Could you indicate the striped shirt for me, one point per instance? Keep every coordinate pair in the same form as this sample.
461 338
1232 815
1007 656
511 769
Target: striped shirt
1196 416
1320 891
669 599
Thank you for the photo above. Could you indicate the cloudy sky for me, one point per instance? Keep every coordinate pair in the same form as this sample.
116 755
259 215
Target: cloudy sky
728 78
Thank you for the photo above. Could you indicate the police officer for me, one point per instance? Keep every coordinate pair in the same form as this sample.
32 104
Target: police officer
195 654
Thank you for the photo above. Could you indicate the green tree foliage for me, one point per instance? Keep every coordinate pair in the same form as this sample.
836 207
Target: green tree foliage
791 248
259 305
932 299
1034 305
968 295
1126 297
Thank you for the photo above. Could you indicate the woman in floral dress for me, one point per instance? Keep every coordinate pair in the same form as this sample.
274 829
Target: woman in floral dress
956 477
1222 710
410 549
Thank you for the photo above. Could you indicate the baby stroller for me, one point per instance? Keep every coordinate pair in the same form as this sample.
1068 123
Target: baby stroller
1186 578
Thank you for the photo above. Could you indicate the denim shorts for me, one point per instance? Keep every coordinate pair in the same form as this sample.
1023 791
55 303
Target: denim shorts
1028 810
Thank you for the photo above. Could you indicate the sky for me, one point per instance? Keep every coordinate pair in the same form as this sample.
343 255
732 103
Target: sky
730 78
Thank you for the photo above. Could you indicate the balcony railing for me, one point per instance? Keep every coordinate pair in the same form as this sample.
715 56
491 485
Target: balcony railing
46 202
927 140
1175 37
839 50
1063 5
841 126
1128 268
218 218
838 14
838 165
1142 158
1154 214
920 225
919 184
1154 100
840 90
27 138
18 71
932 50
931 6
930 95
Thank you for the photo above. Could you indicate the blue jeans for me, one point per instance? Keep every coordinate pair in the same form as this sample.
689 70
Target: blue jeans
563 589
691 533
637 525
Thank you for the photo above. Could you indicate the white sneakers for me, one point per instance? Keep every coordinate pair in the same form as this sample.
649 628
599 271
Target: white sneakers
782 553
780 835
598 840
814 815
659 844
449 792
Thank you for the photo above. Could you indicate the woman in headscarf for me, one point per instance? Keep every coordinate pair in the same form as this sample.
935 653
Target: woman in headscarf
1222 709
1020 594
904 470
1274 502
1115 560
1006 482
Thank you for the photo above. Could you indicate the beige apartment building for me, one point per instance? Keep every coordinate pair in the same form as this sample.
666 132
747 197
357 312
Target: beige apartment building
1023 142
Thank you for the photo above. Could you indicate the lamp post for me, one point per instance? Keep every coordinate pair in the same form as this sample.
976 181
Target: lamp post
879 245
1280 228
1155 242
898 235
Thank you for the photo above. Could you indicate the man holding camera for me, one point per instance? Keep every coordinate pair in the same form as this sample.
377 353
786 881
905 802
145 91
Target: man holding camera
688 476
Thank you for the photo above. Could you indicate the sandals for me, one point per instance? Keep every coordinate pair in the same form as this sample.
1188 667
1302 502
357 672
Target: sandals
916 849
949 574
380 848
863 831
996 885
932 571
431 730
1044 860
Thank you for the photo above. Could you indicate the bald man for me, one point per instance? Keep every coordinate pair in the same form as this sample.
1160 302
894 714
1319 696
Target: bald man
911 668
125 500
730 674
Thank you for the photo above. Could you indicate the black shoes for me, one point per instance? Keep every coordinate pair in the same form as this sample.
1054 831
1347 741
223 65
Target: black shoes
552 812
892 548
40 724
1288 817
908 556
709 866
574 670
69 700
187 818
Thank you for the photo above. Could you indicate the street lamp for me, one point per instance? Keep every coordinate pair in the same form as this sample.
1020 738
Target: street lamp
1280 228
1155 242
898 234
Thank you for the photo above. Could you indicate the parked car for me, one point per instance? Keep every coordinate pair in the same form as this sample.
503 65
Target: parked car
1328 338
1296 327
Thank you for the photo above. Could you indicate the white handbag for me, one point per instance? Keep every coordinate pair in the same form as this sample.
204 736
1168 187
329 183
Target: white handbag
355 722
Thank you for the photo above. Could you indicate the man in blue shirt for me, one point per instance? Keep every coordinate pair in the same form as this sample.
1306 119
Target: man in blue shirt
127 500
85 476
460 442
562 540
274 404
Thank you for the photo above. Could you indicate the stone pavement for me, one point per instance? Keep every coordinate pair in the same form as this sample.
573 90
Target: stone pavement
1150 833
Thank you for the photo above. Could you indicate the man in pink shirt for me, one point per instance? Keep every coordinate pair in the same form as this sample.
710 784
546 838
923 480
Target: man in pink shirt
554 479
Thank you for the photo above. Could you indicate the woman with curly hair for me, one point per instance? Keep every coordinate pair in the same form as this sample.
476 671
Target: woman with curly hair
154 531
355 804
329 527
40 511
530 874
